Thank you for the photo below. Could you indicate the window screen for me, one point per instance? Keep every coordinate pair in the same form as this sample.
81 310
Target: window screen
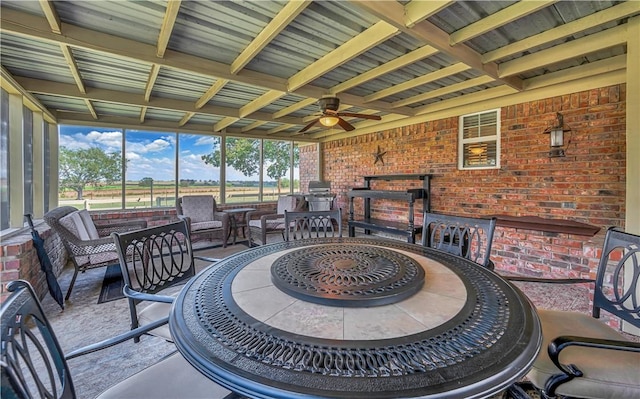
479 140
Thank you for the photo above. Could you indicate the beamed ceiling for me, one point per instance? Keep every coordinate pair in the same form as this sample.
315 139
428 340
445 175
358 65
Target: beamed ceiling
257 68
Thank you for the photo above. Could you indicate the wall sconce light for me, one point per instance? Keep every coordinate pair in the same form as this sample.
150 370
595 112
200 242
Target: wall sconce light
329 120
556 137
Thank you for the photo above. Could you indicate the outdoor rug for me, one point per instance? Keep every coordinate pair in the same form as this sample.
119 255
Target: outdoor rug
111 285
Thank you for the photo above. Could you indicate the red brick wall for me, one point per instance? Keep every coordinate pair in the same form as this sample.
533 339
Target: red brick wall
308 166
588 185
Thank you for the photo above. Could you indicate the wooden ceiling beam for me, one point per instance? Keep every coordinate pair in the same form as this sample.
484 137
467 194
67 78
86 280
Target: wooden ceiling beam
211 92
467 84
260 102
418 10
605 16
151 81
273 28
421 80
119 97
393 12
224 123
74 118
51 15
294 107
143 113
498 19
387 67
10 85
73 67
252 126
91 109
187 116
566 51
371 37
168 22
31 26
280 128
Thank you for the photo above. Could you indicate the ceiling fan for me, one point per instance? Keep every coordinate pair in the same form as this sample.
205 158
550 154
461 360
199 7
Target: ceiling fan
331 117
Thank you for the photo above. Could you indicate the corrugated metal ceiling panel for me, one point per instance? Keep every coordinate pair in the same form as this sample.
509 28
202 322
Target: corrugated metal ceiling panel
111 72
137 20
220 30
121 110
34 59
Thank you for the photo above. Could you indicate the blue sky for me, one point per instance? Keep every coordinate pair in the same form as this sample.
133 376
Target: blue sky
149 153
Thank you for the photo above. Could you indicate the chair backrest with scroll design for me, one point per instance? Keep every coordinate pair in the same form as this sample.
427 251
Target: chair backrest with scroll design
468 237
617 285
313 224
153 260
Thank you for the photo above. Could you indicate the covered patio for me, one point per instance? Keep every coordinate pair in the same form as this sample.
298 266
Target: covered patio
522 110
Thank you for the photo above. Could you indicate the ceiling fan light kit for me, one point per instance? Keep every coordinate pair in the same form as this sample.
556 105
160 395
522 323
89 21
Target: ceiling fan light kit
329 120
330 116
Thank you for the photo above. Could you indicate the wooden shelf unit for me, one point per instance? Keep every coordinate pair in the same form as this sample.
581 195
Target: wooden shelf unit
407 229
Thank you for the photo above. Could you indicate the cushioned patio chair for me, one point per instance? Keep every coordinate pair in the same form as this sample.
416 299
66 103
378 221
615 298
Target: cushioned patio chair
155 262
89 245
459 235
581 356
313 224
203 217
262 223
33 364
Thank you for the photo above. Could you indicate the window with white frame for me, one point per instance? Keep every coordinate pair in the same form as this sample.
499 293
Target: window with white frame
479 140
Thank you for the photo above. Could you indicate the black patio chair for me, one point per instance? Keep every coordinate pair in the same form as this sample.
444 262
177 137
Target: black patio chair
155 262
313 224
33 364
459 235
581 356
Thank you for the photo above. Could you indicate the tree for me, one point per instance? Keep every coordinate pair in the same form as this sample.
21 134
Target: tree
244 156
146 182
93 166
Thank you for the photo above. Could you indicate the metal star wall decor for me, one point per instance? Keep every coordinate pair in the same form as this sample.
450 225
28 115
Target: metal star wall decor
379 156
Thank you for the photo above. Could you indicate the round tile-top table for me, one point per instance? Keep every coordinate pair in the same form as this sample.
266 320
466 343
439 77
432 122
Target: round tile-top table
354 318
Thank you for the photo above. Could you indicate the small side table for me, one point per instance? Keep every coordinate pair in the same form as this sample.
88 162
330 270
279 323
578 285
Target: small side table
238 219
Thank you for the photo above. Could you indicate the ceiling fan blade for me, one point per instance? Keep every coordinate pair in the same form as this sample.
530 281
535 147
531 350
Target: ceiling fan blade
345 125
363 116
304 129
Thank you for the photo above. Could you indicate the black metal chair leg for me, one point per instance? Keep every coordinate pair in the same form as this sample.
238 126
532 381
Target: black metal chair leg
516 391
73 280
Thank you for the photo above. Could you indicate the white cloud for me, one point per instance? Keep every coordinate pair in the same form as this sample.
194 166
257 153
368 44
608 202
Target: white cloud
108 141
207 140
148 147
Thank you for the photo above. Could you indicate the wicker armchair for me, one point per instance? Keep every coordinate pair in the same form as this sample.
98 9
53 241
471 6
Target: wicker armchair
264 222
89 245
203 217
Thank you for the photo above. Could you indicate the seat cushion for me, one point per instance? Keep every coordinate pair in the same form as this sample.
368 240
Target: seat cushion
286 203
170 378
210 225
607 373
199 208
88 224
271 224
73 222
153 312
